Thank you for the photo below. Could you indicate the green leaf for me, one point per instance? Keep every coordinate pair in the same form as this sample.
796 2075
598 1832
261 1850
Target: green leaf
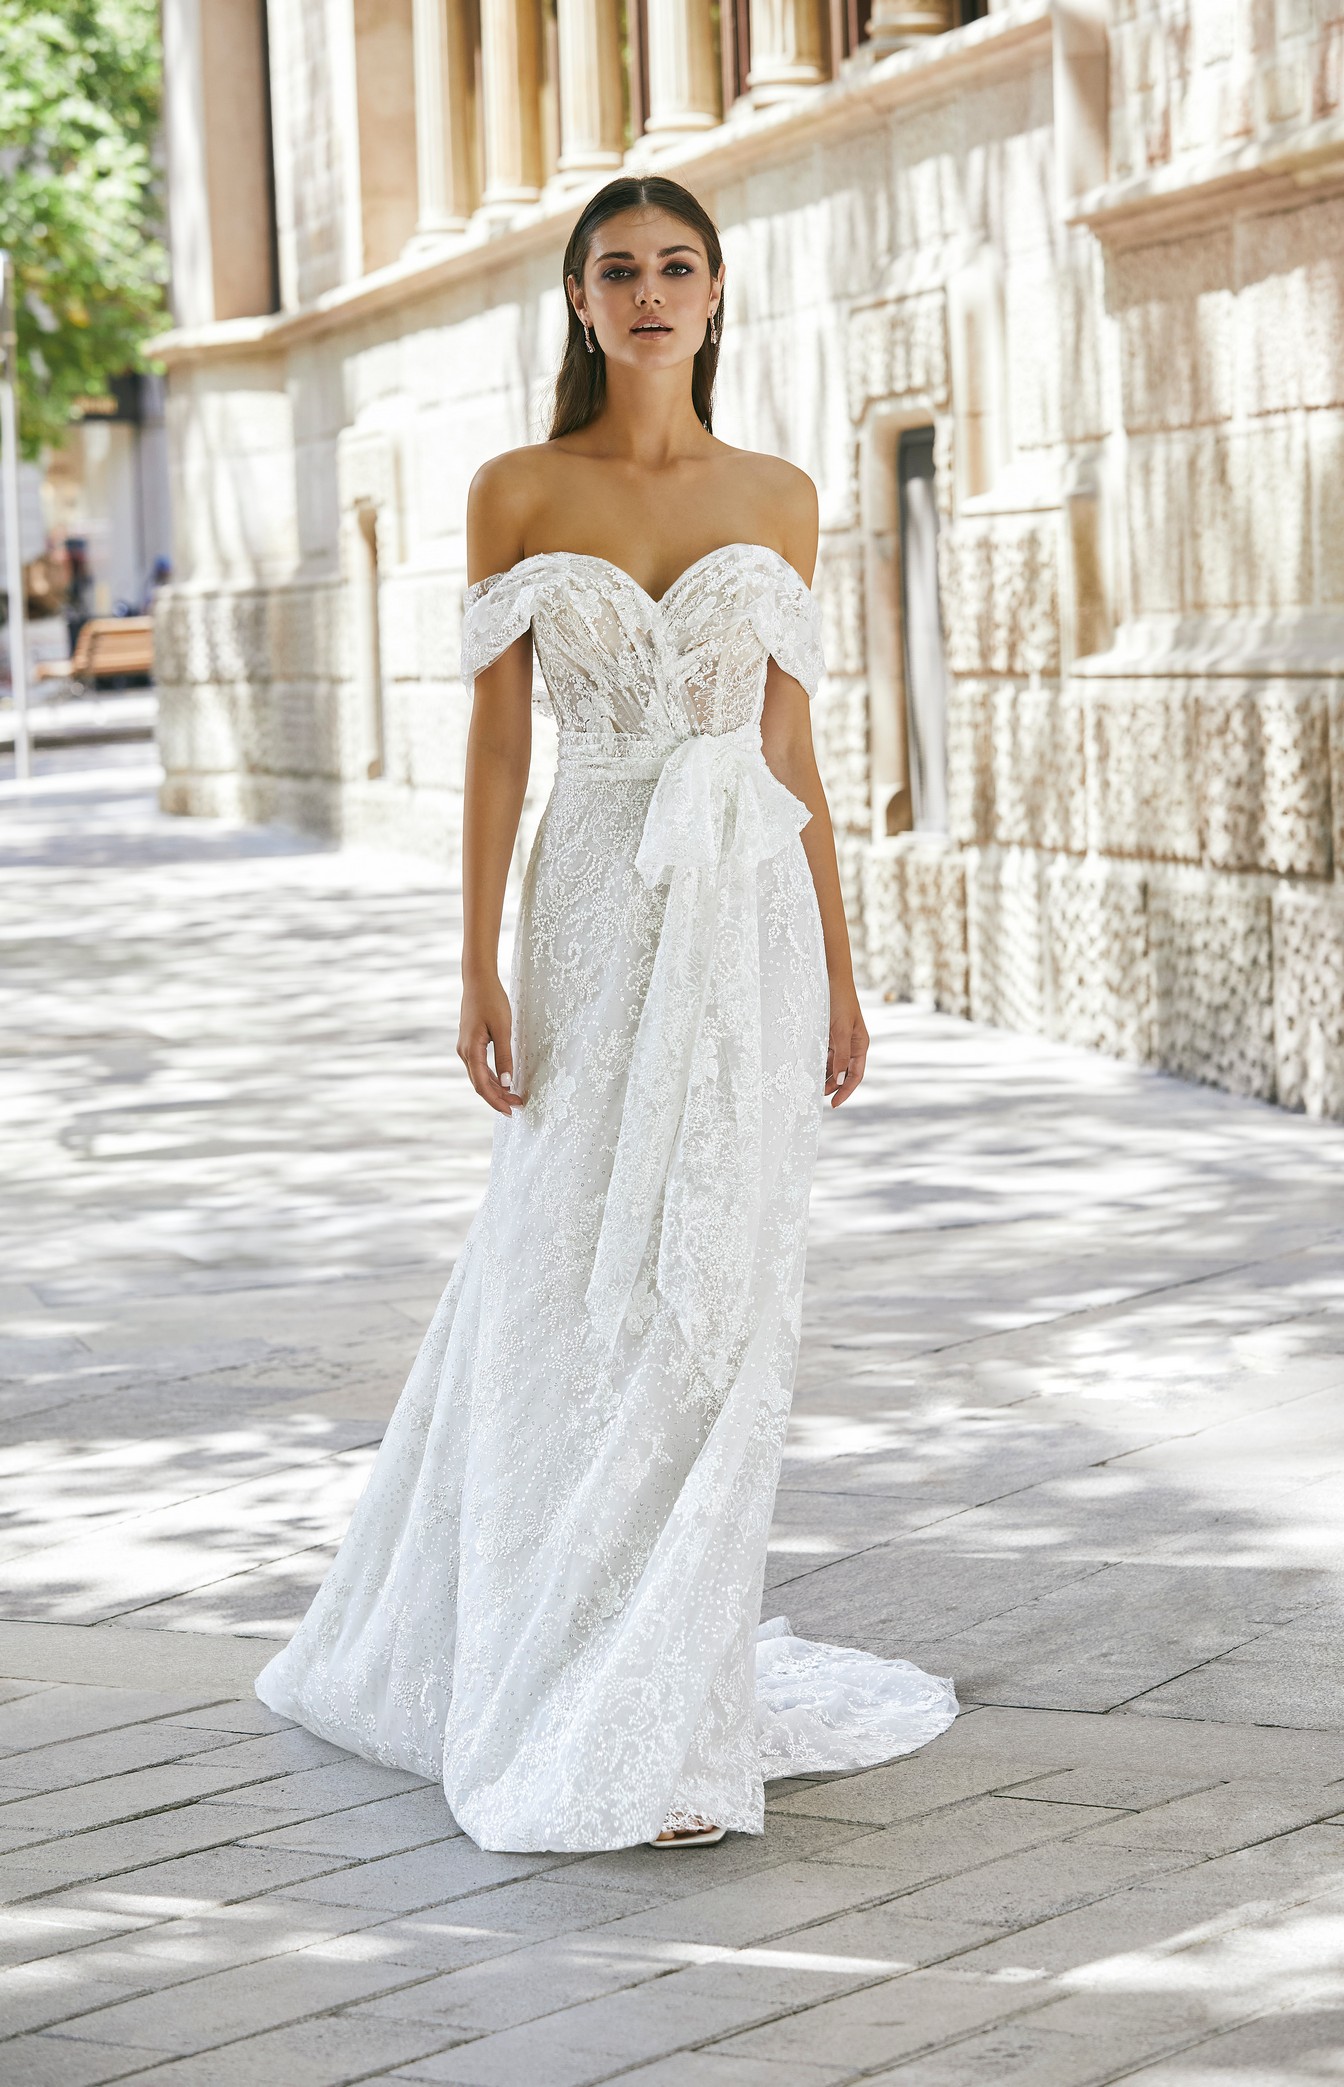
80 197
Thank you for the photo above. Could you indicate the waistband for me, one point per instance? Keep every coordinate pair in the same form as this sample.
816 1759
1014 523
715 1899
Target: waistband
638 760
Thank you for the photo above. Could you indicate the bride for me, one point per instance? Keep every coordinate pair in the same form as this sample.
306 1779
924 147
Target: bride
548 1595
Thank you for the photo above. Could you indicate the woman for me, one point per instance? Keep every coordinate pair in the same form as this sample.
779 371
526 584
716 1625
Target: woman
549 1593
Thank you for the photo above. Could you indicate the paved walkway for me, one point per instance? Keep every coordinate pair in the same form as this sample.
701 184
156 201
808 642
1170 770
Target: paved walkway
1069 1427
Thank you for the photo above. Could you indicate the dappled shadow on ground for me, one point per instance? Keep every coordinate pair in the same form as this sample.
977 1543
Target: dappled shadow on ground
1068 1427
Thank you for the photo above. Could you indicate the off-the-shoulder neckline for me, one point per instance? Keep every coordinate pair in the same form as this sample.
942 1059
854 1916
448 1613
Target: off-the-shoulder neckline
657 601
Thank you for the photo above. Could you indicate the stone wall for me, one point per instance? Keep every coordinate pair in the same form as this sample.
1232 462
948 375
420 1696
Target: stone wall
1136 387
1192 78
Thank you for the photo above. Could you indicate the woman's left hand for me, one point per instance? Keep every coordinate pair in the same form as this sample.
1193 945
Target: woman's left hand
847 1048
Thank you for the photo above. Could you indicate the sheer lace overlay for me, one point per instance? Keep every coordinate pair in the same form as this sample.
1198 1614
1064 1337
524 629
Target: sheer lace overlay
547 1594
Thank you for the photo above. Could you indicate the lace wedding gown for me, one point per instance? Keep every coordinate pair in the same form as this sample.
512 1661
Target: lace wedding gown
549 1591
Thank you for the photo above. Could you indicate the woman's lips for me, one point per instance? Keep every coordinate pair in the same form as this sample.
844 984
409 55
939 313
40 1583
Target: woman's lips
651 326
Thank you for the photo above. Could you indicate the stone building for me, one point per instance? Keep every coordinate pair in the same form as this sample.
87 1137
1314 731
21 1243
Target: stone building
1049 299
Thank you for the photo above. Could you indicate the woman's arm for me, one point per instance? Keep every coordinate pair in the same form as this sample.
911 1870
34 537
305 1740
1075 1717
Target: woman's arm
499 751
786 735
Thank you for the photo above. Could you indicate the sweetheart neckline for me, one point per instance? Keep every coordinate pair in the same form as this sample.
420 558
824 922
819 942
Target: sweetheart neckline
655 601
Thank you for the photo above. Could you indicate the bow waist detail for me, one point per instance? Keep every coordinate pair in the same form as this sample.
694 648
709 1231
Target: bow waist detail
688 1151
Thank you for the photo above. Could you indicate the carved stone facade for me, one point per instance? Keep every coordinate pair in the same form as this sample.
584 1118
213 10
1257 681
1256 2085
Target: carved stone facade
1096 248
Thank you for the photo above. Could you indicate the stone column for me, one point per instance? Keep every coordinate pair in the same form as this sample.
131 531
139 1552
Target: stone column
445 118
683 69
592 114
510 91
897 22
219 195
788 49
384 83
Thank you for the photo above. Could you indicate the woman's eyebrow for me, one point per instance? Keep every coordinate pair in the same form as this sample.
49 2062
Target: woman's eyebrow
624 255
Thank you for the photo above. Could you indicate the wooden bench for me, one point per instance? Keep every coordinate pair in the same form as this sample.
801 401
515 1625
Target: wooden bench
106 645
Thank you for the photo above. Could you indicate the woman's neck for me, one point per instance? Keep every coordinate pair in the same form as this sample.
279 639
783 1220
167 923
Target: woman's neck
647 419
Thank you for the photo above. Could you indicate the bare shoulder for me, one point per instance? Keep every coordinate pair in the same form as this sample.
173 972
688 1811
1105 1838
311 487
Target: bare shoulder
788 497
784 480
500 503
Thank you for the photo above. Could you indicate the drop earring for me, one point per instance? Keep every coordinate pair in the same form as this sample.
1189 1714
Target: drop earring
587 335
714 326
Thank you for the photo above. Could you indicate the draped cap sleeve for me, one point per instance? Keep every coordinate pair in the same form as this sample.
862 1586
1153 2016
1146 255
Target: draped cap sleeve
497 610
787 619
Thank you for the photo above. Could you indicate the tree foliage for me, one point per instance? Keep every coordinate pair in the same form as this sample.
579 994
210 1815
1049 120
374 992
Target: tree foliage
79 201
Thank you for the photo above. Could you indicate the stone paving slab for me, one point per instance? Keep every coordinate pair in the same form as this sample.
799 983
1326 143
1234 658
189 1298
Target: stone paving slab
1069 1425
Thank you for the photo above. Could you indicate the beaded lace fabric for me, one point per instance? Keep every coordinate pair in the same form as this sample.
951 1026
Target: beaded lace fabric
548 1594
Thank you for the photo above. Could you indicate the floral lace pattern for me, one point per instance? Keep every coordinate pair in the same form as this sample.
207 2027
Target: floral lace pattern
548 1593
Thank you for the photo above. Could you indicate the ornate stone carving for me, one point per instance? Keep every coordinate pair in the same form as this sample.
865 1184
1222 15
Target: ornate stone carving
1000 591
1007 942
898 349
840 730
1143 768
915 914
1039 795
1213 971
1309 1000
1265 777
839 584
970 761
1100 975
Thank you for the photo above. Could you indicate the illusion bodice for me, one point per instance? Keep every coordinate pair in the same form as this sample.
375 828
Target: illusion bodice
618 664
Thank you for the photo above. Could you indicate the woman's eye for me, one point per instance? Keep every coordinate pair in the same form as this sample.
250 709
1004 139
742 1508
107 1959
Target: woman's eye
615 275
679 268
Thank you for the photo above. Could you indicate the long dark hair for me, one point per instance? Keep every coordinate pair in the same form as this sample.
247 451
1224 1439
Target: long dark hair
581 385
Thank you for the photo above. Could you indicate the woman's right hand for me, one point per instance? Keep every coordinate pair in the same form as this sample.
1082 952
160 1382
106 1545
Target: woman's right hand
487 1021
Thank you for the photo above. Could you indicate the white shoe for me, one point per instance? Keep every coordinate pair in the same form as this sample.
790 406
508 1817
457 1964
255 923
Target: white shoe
701 1837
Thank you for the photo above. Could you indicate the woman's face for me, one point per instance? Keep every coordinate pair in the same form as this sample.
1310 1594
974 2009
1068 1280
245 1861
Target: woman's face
647 291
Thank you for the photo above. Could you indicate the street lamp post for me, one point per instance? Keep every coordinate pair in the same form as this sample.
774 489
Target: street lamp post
9 440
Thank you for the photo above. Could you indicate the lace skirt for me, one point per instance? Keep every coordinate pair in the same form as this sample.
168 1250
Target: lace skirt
549 1593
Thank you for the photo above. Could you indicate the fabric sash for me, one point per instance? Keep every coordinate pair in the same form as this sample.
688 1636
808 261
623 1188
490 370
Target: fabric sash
690 1139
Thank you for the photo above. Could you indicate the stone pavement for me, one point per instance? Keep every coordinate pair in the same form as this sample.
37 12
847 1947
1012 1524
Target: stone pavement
1069 1427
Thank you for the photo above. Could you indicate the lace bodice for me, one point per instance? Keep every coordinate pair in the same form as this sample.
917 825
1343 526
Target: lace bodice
618 663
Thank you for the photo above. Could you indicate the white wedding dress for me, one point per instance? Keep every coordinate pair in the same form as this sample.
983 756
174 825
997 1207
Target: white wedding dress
549 1593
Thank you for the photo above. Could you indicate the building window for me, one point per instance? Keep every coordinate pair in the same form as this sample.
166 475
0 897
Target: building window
268 162
635 52
734 22
922 628
549 88
848 23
